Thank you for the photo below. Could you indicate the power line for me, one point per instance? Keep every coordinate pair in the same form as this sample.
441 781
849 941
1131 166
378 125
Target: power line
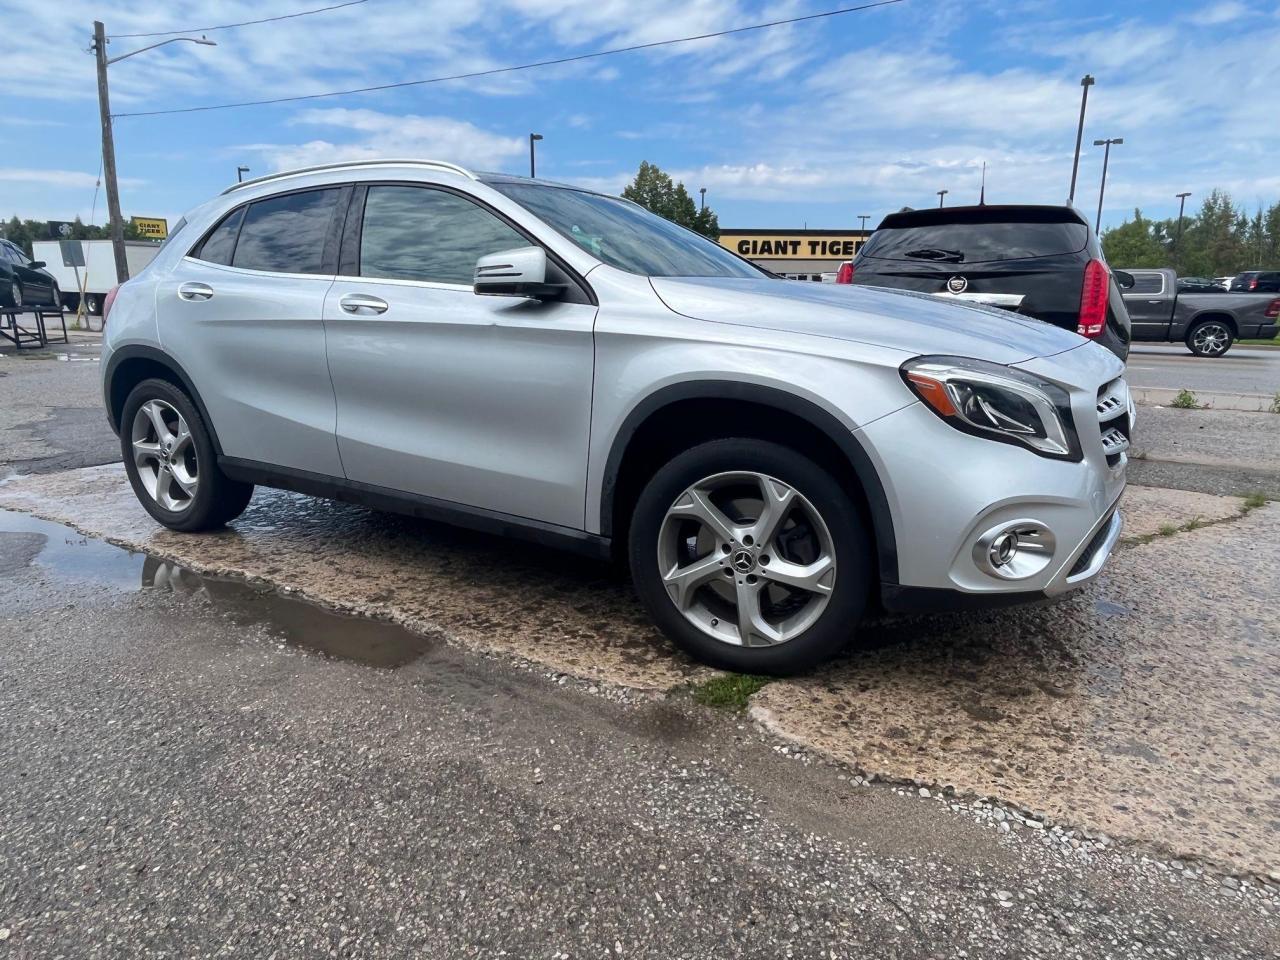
242 23
524 66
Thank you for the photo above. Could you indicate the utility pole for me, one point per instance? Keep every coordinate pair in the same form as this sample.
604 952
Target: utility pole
864 217
941 196
533 138
1085 82
1182 204
115 226
1102 187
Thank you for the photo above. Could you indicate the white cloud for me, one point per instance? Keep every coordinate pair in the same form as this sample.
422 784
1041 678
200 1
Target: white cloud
58 178
1225 11
391 135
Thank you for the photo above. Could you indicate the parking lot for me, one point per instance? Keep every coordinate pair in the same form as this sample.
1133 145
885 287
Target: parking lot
1025 782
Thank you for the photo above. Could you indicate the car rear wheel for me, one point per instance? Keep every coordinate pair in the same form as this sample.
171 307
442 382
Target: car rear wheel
1210 338
750 557
93 303
169 457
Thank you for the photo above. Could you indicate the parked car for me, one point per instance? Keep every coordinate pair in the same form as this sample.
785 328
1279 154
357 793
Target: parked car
1039 261
25 282
1223 282
1256 281
1208 323
1194 285
543 361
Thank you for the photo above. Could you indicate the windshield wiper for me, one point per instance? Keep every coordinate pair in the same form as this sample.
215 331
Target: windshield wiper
934 253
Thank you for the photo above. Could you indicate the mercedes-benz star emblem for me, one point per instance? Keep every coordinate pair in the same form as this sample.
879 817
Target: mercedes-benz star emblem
743 561
957 284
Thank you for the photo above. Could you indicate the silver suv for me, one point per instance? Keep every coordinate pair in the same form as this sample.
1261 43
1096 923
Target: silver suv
539 360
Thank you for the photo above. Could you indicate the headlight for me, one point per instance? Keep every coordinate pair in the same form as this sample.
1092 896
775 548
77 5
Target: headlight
997 402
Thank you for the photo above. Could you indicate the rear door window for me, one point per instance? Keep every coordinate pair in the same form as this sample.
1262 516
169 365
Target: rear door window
286 234
976 242
220 244
1147 283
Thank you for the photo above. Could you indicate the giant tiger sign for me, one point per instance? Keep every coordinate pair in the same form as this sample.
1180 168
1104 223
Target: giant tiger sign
792 246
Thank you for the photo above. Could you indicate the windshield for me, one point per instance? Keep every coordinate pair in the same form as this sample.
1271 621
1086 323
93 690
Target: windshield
627 236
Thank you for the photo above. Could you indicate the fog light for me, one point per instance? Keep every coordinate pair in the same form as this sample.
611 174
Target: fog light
1016 550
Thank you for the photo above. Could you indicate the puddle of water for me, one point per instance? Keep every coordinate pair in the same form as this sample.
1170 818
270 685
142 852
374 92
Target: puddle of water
69 555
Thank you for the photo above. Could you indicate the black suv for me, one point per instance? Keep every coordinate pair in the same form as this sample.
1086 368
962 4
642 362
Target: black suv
1039 261
1256 281
25 282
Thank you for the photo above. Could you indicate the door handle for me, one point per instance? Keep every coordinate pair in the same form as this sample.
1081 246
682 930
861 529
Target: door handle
360 302
195 291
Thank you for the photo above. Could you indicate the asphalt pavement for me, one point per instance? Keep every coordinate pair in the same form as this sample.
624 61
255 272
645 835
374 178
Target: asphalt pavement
1244 370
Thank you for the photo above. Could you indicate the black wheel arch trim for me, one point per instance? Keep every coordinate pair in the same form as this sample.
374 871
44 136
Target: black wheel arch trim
137 351
839 433
1214 316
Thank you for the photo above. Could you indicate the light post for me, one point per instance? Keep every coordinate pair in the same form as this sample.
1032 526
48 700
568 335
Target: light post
1085 82
941 196
702 199
1102 187
1182 204
240 172
533 138
99 48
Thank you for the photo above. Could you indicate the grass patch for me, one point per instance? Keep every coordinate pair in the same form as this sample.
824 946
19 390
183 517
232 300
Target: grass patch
729 691
1253 501
1185 400
1168 529
1275 403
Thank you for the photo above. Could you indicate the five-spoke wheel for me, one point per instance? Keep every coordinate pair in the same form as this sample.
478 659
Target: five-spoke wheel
751 556
165 455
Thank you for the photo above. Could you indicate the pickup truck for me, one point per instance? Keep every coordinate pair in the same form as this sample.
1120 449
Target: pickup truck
1208 323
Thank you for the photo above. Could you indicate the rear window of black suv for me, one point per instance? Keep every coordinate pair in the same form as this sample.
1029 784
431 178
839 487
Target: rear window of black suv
979 237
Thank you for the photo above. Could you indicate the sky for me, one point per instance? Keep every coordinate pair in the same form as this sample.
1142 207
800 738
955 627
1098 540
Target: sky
810 124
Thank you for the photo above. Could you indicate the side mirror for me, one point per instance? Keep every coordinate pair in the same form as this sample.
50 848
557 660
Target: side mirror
521 272
37 264
1123 279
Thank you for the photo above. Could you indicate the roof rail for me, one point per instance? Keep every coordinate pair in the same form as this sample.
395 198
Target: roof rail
433 164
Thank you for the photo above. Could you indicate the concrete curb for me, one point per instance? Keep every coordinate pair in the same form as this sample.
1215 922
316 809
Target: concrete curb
1162 397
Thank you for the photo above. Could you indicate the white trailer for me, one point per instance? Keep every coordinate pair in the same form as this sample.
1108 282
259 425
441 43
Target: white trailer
98 275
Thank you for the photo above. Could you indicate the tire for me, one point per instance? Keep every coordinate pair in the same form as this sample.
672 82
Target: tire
1210 338
71 301
55 298
176 478
15 295
93 304
801 627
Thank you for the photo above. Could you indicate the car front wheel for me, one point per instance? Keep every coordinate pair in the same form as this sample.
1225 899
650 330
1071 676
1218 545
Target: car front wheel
1211 338
169 456
750 557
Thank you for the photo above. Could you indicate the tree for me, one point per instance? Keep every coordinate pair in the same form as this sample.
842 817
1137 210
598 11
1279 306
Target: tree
1135 243
656 192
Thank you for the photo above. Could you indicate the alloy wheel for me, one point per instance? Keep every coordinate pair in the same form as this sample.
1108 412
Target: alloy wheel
1211 339
15 292
746 559
165 455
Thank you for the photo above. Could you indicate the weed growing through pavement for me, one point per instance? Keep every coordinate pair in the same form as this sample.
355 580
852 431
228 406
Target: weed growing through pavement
1275 403
1185 400
729 691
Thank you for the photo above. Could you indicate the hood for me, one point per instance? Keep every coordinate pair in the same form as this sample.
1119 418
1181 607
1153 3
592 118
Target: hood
912 322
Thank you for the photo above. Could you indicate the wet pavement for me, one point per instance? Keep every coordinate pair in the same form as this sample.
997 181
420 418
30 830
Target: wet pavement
1117 711
182 780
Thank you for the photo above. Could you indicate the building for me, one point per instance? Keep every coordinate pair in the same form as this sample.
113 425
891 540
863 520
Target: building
798 254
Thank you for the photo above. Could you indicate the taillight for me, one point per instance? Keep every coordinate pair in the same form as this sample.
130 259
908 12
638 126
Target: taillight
1253 284
1093 299
1273 308
108 301
845 273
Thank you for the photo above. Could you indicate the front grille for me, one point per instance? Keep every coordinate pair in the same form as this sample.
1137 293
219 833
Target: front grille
1114 420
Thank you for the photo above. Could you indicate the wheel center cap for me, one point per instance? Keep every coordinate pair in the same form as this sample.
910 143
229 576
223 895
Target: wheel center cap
743 561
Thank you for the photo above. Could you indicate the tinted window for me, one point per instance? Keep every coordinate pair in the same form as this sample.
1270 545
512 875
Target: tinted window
1146 283
627 236
286 234
221 243
976 242
416 233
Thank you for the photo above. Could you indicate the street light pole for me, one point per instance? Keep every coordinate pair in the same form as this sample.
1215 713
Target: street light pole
1085 82
116 224
702 202
1182 204
533 138
941 196
1102 187
240 172
864 217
